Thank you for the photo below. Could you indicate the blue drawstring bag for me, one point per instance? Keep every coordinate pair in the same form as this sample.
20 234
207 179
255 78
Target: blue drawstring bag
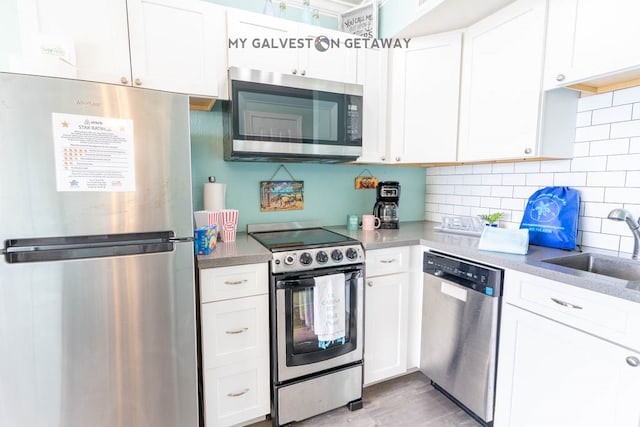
551 215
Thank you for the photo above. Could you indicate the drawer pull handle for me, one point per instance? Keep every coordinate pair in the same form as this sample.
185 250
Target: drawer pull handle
387 261
235 282
236 331
238 393
566 304
633 361
370 283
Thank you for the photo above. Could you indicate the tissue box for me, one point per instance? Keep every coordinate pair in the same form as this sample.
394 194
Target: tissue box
504 240
205 240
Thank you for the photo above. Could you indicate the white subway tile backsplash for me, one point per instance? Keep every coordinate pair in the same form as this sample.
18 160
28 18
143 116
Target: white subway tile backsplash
598 240
593 133
633 179
591 194
481 190
583 119
611 115
570 179
610 146
587 164
599 210
513 204
541 179
502 191
625 129
482 168
605 169
502 168
514 179
581 149
591 102
626 96
491 179
462 210
622 195
527 167
556 166
464 169
589 224
524 192
626 162
606 179
490 202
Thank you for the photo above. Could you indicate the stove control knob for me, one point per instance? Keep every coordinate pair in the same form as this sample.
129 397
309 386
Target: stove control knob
289 259
352 254
336 255
322 257
306 258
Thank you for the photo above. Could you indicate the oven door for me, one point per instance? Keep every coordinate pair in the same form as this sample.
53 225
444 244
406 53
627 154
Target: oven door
299 350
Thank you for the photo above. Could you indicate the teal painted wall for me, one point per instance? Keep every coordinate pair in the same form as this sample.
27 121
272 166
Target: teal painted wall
393 16
329 193
292 13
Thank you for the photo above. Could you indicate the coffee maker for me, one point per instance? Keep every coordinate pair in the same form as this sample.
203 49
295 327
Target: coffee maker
387 201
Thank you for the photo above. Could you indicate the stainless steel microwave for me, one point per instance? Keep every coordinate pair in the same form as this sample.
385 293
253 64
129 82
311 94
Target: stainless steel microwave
280 117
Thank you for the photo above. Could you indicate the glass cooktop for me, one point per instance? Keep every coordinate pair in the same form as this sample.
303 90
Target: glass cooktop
307 237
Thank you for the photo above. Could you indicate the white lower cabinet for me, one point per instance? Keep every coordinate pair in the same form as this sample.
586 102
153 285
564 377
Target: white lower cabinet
386 302
550 375
234 317
567 356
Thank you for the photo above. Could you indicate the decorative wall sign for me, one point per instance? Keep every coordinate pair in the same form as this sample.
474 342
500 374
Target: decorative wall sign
281 195
361 21
366 182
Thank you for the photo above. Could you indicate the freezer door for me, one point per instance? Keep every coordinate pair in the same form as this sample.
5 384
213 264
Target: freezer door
99 342
157 192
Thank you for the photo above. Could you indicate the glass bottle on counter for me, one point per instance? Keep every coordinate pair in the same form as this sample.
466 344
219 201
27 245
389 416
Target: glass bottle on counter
268 8
306 12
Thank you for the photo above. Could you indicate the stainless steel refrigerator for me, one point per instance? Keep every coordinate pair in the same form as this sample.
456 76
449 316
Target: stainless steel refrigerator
97 310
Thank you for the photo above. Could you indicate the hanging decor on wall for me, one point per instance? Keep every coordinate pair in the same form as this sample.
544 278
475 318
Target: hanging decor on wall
366 182
281 195
361 21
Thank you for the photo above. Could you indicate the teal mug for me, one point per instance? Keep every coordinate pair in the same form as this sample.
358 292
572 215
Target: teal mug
353 222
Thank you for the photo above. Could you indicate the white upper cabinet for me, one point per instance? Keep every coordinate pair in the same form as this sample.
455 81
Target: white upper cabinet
177 46
424 89
588 39
501 84
373 76
273 44
66 38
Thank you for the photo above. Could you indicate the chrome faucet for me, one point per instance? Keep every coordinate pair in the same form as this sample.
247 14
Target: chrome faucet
626 216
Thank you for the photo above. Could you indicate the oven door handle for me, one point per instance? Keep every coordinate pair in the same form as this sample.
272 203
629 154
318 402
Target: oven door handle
295 283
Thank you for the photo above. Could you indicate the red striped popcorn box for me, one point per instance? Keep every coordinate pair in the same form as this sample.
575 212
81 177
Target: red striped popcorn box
207 218
229 219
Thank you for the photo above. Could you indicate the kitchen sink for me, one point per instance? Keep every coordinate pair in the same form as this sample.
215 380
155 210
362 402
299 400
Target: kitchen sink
603 265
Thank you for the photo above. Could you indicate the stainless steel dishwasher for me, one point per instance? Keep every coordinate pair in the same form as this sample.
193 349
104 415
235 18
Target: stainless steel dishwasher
460 320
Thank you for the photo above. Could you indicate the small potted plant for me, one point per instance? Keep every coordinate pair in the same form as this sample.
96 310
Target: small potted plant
491 220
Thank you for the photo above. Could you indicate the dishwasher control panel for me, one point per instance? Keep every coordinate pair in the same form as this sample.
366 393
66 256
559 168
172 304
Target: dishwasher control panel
480 278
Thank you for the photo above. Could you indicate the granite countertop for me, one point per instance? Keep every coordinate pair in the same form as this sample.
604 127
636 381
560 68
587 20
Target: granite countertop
245 250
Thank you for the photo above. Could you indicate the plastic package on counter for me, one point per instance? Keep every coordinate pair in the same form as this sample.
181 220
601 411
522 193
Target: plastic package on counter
205 240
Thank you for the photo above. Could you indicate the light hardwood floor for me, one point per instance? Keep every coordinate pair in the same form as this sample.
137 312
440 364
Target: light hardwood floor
408 401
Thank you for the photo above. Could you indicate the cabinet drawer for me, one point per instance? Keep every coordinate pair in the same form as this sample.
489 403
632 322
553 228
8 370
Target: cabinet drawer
602 315
236 393
235 330
223 283
387 261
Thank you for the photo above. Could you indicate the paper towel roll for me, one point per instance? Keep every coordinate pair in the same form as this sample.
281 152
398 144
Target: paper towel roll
214 193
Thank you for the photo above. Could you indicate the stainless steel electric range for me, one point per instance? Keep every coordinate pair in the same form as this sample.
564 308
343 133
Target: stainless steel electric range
316 319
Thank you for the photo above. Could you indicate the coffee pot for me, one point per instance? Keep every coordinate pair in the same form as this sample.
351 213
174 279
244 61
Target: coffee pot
387 201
